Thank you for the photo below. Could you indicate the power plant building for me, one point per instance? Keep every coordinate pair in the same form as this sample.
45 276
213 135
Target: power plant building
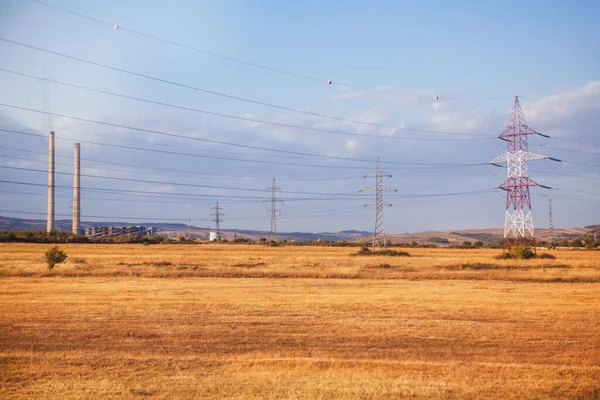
105 231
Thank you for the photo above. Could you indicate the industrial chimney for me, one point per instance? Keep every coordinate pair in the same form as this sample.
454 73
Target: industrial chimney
76 187
50 224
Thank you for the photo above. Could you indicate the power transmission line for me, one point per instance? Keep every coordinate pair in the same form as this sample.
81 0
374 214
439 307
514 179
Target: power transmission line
215 177
212 92
175 194
178 171
253 64
273 123
169 183
558 105
417 165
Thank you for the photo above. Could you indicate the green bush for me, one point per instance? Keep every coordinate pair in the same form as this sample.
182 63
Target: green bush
521 252
55 256
547 256
365 251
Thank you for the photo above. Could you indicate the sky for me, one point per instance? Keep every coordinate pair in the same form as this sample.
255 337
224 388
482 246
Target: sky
387 62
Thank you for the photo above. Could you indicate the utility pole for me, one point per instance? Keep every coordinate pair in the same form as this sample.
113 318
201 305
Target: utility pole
217 214
379 240
189 228
518 220
273 211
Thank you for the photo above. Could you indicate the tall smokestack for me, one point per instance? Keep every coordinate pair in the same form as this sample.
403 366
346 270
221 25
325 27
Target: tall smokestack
50 225
76 203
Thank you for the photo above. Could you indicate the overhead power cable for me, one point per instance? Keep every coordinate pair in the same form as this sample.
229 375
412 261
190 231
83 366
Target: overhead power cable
122 218
570 151
333 212
419 165
246 119
205 175
48 127
568 140
170 183
253 64
349 197
564 174
236 188
261 103
556 104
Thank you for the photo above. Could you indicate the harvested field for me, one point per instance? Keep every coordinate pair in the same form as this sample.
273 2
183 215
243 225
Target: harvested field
255 261
135 321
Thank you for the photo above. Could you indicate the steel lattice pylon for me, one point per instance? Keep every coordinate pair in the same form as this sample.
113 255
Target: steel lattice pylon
550 223
273 237
217 214
518 223
379 239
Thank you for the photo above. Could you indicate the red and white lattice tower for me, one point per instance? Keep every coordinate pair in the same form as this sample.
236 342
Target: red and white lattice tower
518 223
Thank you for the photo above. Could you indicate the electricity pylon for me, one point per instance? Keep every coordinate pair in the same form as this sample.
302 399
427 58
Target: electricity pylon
273 237
550 223
217 214
518 220
379 239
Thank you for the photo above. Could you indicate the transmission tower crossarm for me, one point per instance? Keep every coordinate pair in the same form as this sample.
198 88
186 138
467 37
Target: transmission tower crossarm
520 155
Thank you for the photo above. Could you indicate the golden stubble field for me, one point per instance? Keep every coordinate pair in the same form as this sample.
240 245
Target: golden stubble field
214 321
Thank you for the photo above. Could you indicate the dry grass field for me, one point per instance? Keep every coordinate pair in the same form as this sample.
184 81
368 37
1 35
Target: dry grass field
215 321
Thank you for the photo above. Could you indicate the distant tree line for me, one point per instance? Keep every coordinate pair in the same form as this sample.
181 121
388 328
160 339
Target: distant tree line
583 241
68 237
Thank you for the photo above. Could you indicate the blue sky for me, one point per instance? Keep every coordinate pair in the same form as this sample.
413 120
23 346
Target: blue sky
541 50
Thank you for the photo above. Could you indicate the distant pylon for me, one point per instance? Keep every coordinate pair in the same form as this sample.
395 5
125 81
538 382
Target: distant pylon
379 239
51 158
273 237
550 223
217 214
518 220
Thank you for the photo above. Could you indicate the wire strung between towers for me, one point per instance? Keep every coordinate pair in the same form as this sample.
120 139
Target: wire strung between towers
418 165
253 64
273 123
232 97
346 197
205 175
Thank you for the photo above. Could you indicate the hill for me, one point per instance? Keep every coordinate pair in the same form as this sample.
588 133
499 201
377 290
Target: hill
442 238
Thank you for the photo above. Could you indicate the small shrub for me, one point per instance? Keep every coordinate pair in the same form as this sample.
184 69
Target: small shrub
140 392
557 266
521 252
250 265
365 251
161 263
481 266
54 256
547 256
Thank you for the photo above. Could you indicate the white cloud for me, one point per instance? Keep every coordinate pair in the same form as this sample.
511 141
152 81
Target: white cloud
563 104
351 144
